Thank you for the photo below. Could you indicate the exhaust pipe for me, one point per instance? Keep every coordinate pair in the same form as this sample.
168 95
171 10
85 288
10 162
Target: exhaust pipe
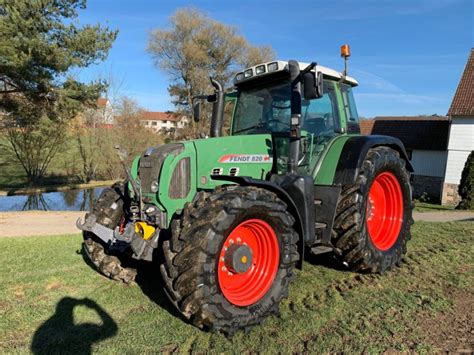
217 109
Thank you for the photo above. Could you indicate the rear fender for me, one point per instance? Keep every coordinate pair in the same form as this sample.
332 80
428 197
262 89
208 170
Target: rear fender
354 152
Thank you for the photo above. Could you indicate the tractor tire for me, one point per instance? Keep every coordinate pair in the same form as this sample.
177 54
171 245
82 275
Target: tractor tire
216 230
374 216
108 210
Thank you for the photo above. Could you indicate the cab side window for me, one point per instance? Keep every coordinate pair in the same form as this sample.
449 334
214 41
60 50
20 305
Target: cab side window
350 109
321 116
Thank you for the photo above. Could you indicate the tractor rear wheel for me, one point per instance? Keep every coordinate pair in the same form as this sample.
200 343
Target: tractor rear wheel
108 210
230 258
374 216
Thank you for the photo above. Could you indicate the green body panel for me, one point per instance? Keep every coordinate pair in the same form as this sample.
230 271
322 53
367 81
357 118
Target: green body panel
250 154
325 167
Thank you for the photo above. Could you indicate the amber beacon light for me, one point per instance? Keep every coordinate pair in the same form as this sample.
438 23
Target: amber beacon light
345 51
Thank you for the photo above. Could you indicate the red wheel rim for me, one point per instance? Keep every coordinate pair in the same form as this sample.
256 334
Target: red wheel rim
384 214
244 289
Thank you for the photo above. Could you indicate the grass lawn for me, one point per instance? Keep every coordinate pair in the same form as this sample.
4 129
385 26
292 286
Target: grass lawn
52 301
431 207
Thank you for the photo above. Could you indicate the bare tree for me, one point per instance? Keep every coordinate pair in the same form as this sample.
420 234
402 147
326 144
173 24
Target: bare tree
196 47
87 133
92 127
128 133
34 143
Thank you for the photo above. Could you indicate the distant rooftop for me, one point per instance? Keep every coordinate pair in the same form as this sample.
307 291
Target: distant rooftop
159 116
416 132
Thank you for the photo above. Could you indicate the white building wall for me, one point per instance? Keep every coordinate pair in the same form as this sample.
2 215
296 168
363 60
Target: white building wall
429 162
461 136
157 125
456 161
461 143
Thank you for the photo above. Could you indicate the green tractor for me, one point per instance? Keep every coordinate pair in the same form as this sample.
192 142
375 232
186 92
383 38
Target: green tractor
229 218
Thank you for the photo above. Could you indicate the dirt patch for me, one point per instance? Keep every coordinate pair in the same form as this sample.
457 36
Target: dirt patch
452 330
14 224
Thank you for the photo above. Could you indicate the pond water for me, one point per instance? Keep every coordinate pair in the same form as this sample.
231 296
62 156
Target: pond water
72 200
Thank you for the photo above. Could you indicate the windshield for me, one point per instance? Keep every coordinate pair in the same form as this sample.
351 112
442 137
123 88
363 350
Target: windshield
263 109
268 109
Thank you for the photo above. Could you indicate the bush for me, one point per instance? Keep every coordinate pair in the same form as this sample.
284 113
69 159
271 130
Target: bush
466 187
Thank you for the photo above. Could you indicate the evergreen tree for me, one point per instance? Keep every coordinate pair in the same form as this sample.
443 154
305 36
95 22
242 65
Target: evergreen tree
466 187
40 42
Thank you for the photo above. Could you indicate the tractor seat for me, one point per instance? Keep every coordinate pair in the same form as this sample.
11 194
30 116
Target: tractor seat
314 125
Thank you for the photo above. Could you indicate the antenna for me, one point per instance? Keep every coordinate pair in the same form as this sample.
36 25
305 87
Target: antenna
345 53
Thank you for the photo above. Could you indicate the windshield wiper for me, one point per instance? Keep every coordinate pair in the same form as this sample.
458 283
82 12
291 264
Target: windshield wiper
259 125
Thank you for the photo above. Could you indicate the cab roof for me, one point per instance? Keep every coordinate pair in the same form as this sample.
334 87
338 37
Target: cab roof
264 69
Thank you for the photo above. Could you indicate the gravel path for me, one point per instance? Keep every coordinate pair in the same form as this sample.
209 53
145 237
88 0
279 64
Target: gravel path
64 222
38 223
444 216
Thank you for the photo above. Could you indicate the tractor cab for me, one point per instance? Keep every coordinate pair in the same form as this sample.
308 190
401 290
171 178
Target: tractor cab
267 96
324 108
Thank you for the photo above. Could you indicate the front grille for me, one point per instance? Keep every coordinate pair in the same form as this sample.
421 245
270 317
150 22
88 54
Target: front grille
181 180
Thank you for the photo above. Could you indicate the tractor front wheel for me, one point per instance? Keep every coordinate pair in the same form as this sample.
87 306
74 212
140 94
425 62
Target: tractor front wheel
108 210
230 258
373 217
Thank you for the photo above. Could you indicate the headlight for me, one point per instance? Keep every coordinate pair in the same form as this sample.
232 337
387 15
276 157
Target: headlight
154 186
272 66
260 69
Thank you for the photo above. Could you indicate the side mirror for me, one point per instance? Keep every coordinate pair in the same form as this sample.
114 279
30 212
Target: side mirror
313 85
197 110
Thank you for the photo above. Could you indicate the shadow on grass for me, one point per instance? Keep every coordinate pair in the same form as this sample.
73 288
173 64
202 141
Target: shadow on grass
148 279
326 260
59 334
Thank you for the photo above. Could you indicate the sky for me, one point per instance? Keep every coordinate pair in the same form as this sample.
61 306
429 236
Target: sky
408 55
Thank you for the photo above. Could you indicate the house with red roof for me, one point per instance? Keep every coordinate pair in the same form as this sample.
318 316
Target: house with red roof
163 121
99 115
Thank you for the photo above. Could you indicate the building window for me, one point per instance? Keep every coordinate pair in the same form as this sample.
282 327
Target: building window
154 123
